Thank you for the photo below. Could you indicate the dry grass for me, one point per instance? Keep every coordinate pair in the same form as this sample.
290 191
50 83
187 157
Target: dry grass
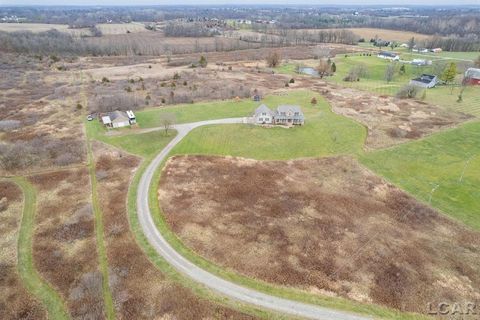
42 27
389 120
15 301
389 35
139 289
64 238
327 226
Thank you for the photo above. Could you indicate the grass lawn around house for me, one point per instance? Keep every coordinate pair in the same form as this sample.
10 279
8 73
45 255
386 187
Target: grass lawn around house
324 133
448 161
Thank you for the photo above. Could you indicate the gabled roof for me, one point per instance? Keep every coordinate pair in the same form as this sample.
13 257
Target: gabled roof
473 73
287 107
425 78
263 108
118 116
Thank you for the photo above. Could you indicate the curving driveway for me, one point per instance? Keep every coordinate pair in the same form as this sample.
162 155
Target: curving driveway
224 287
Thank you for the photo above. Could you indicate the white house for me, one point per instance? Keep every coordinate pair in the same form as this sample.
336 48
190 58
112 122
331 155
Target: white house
119 119
263 115
286 115
388 56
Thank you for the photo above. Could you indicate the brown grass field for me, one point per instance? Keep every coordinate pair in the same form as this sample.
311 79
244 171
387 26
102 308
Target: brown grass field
64 240
390 120
139 289
15 301
323 225
392 35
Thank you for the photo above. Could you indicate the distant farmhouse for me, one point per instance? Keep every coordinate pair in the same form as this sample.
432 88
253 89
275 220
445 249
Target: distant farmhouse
472 76
284 115
388 55
425 81
421 62
118 119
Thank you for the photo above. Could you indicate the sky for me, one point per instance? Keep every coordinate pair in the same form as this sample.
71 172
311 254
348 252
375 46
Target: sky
242 2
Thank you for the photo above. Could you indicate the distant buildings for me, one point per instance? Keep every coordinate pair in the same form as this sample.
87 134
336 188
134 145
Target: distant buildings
388 55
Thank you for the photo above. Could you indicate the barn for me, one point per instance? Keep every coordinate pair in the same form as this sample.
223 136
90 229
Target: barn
472 77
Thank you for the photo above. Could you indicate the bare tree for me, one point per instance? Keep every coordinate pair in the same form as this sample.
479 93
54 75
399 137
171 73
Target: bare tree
273 59
167 120
389 72
323 68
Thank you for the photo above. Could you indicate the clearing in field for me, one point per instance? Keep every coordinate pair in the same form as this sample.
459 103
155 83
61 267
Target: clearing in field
327 226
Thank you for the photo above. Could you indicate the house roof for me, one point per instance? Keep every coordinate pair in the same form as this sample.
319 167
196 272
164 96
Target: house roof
263 108
425 78
388 54
287 107
118 116
473 73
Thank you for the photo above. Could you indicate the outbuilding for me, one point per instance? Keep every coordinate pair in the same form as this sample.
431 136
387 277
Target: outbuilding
425 81
472 77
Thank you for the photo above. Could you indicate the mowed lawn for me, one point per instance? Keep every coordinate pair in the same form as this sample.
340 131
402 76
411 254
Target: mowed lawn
145 145
324 133
448 161
197 112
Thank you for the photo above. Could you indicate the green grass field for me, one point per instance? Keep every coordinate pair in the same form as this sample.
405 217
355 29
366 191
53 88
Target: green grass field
324 133
32 280
440 160
196 112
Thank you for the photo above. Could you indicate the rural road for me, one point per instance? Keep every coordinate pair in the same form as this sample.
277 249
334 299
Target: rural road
184 266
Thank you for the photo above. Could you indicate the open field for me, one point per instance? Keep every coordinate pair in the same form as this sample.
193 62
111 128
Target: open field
443 169
327 226
384 34
63 240
15 301
42 27
320 136
121 28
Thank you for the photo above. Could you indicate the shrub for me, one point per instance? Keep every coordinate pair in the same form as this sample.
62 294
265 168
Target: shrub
273 59
79 106
128 89
176 76
286 84
203 62
408 92
105 80
292 80
313 101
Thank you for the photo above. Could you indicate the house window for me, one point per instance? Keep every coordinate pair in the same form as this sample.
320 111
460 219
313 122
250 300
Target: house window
264 114
260 119
296 113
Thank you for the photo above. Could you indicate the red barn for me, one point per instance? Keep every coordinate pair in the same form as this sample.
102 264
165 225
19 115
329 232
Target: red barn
472 76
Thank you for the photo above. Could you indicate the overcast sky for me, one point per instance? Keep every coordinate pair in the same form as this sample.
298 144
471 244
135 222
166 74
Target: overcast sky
243 2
